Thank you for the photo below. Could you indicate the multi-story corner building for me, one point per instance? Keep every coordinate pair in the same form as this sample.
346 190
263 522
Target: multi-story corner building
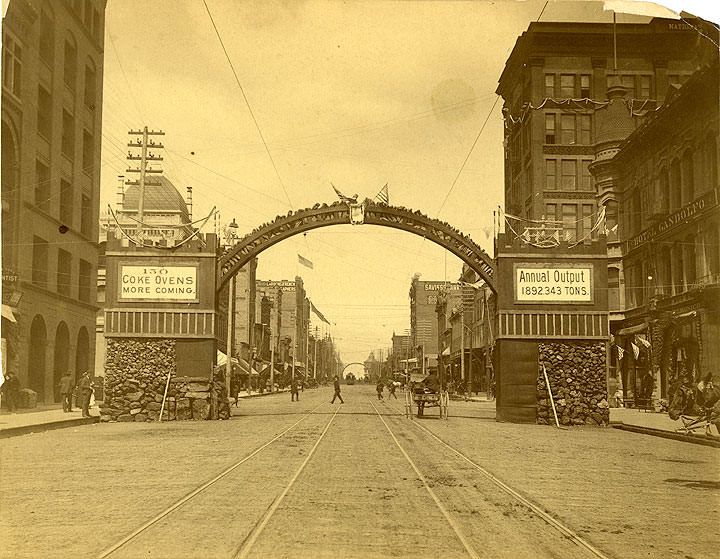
665 179
424 326
400 352
554 80
52 75
289 316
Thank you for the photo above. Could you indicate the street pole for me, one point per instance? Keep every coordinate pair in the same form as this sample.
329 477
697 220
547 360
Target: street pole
462 346
228 347
294 350
315 358
272 364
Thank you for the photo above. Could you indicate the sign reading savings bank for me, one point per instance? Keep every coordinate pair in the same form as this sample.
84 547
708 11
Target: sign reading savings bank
164 283
548 284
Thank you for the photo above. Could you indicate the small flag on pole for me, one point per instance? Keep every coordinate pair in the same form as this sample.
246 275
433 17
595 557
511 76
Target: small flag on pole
318 313
383 197
305 262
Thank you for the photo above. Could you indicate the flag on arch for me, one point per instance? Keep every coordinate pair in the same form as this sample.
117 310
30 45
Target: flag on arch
383 196
305 262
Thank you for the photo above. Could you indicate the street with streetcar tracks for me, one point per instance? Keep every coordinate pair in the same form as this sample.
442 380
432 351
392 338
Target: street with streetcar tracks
314 479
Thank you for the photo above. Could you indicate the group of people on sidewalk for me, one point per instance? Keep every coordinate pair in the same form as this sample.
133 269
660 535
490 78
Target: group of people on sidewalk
83 392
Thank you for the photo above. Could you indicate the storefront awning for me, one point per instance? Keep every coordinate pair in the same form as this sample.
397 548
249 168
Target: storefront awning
632 330
8 314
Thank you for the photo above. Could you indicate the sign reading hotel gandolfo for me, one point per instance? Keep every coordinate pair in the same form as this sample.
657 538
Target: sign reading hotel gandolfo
165 283
548 284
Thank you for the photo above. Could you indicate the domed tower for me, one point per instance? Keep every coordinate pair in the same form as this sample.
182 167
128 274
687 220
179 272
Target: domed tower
166 217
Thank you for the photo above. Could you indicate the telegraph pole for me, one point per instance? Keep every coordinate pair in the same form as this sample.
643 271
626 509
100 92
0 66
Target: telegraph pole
315 358
145 144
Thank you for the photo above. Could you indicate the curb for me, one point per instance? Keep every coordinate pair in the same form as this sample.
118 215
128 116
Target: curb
41 427
694 439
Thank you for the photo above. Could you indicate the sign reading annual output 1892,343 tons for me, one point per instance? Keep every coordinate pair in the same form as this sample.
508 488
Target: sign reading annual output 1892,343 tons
548 284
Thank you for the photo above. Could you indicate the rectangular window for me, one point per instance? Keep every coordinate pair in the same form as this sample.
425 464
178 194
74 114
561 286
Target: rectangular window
586 178
551 212
567 86
568 180
88 159
70 65
550 174
586 223
569 221
549 85
567 129
645 87
549 128
46 46
44 113
586 130
67 145
84 281
90 87
86 216
42 186
11 65
66 202
628 82
585 92
64 272
40 261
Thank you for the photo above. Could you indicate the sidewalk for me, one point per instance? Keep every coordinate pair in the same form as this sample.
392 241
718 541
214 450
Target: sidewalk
45 418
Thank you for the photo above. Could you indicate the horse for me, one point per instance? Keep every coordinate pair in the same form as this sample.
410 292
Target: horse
696 405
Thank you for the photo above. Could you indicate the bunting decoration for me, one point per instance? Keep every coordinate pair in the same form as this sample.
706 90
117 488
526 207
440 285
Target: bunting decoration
621 353
636 350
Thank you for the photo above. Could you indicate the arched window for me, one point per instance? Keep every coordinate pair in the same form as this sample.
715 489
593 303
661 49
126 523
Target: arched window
90 85
675 186
688 177
70 63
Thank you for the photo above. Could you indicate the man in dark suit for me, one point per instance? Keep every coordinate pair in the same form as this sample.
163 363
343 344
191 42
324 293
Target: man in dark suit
294 396
336 385
85 389
66 390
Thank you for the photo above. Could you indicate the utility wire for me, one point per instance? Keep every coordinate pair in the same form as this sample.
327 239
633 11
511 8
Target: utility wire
247 103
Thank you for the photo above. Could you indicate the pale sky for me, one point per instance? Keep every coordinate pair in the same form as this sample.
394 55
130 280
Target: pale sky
358 93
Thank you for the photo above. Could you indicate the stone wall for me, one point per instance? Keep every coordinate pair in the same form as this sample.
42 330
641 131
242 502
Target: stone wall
576 371
136 372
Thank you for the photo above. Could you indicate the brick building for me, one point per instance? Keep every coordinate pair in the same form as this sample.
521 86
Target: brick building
52 75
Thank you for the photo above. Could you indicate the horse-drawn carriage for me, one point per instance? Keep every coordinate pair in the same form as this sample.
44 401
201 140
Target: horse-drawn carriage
696 405
425 392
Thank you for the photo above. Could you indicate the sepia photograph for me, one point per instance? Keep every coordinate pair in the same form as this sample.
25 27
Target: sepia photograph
360 279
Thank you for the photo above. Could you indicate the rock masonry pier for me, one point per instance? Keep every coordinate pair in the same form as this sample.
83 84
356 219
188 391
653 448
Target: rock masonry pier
576 371
136 373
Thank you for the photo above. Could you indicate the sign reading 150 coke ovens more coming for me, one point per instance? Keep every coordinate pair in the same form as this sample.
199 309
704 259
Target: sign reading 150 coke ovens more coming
163 283
550 284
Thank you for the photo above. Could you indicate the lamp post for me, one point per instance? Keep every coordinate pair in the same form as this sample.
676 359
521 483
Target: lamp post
230 239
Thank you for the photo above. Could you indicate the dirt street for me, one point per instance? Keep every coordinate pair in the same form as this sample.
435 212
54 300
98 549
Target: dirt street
353 480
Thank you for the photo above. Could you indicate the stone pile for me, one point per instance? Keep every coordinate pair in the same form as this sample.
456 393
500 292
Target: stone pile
136 373
576 371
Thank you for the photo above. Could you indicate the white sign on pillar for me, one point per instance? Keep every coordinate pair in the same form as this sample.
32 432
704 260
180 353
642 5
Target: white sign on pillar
548 284
158 283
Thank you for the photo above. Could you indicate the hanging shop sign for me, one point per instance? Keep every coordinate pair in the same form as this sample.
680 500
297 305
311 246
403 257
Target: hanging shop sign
549 284
158 283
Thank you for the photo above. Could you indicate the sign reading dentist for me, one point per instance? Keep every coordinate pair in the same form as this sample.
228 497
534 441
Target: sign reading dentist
547 284
163 283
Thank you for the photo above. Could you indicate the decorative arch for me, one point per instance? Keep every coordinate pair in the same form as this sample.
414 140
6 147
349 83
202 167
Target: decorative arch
342 373
36 356
366 212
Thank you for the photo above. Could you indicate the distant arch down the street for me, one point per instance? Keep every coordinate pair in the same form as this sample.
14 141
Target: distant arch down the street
342 213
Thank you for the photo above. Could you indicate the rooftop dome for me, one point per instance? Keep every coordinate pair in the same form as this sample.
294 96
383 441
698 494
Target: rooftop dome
161 197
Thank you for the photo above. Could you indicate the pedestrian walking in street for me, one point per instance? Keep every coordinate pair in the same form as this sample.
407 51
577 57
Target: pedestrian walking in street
294 396
66 390
379 389
336 386
85 389
11 391
391 390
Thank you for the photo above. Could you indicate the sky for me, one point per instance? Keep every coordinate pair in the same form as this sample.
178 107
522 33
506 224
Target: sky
356 93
